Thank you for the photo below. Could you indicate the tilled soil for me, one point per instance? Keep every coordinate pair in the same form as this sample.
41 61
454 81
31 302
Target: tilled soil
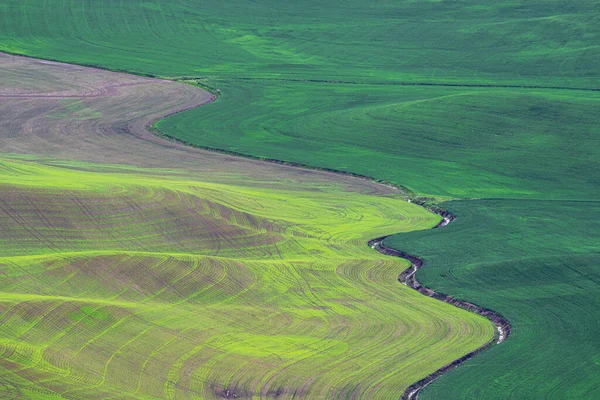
63 111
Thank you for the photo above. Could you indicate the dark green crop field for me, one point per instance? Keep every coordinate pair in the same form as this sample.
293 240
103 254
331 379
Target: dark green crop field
553 42
491 104
537 263
440 141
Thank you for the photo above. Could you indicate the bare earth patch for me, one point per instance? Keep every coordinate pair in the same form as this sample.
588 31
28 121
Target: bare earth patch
35 91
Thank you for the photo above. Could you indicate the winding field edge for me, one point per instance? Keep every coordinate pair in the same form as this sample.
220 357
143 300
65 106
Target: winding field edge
408 278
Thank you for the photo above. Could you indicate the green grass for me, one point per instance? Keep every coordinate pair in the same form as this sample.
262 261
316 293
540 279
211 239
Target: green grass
188 274
276 64
141 284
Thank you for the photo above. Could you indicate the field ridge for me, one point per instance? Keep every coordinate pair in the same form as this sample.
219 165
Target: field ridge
408 276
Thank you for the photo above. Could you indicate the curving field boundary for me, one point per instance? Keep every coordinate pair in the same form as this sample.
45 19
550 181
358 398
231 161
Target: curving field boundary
408 278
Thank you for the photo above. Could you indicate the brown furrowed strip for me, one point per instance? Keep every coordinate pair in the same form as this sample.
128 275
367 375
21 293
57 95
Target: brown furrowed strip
408 278
121 132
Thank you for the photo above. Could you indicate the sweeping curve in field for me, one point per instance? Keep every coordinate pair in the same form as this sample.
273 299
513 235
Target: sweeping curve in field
137 267
408 278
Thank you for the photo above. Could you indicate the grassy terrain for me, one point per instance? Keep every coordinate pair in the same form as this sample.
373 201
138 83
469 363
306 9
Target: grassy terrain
280 69
537 263
534 261
141 269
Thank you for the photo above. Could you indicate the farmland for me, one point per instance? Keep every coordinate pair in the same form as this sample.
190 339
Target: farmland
158 271
550 43
493 106
539 266
435 141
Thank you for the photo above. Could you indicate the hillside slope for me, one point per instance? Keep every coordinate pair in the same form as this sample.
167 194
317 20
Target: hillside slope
142 269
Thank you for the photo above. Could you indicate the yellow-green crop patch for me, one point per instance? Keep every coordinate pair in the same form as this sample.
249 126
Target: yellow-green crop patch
204 288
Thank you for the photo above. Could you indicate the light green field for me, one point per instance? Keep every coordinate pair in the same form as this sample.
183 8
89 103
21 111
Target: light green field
121 285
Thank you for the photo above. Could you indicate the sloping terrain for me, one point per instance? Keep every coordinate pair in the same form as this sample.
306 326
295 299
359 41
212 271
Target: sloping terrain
539 265
463 99
457 142
519 42
135 268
